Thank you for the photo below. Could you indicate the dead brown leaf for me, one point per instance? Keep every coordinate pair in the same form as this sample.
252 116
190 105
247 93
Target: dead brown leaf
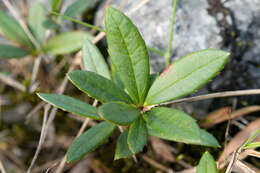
239 139
162 150
223 114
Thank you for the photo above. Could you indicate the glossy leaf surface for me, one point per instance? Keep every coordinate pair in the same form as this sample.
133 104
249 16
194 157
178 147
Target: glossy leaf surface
207 164
12 30
128 53
66 42
35 21
98 87
138 134
118 113
89 141
122 149
175 125
70 104
93 60
8 51
186 75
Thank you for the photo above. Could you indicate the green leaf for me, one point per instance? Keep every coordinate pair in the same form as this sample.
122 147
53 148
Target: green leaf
175 125
252 145
89 141
66 42
55 4
78 7
128 53
8 51
122 150
98 87
138 134
93 60
207 139
70 104
12 30
115 77
118 113
50 24
186 75
207 164
35 21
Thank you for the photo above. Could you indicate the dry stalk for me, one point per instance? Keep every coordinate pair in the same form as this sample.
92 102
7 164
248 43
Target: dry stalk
11 82
2 168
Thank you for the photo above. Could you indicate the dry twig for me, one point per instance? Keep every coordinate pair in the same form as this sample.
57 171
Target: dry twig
2 169
9 81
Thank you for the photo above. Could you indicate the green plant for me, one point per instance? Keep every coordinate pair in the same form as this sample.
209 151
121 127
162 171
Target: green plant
131 97
30 39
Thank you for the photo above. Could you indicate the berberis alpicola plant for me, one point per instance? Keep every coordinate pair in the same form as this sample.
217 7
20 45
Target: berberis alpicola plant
131 97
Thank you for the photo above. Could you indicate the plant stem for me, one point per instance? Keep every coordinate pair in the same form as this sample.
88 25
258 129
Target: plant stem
214 95
78 21
157 51
168 54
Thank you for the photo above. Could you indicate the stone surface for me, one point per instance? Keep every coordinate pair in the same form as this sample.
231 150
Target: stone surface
193 29
247 14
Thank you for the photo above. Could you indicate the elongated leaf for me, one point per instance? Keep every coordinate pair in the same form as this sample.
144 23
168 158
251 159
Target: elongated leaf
207 164
252 145
128 53
186 75
8 51
66 42
138 134
50 24
93 60
35 21
207 139
98 87
78 7
70 104
115 77
12 30
172 124
118 113
89 141
55 4
175 125
122 149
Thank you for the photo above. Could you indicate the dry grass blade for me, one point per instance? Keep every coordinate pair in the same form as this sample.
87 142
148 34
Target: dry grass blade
21 22
243 168
214 95
253 153
223 114
239 139
191 170
12 82
137 7
233 160
35 109
2 169
215 117
162 150
42 137
156 164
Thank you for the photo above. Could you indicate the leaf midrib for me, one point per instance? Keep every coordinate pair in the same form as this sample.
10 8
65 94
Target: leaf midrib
184 77
184 130
129 55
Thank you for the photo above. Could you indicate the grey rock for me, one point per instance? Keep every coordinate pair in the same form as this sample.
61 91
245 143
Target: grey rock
247 14
194 29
